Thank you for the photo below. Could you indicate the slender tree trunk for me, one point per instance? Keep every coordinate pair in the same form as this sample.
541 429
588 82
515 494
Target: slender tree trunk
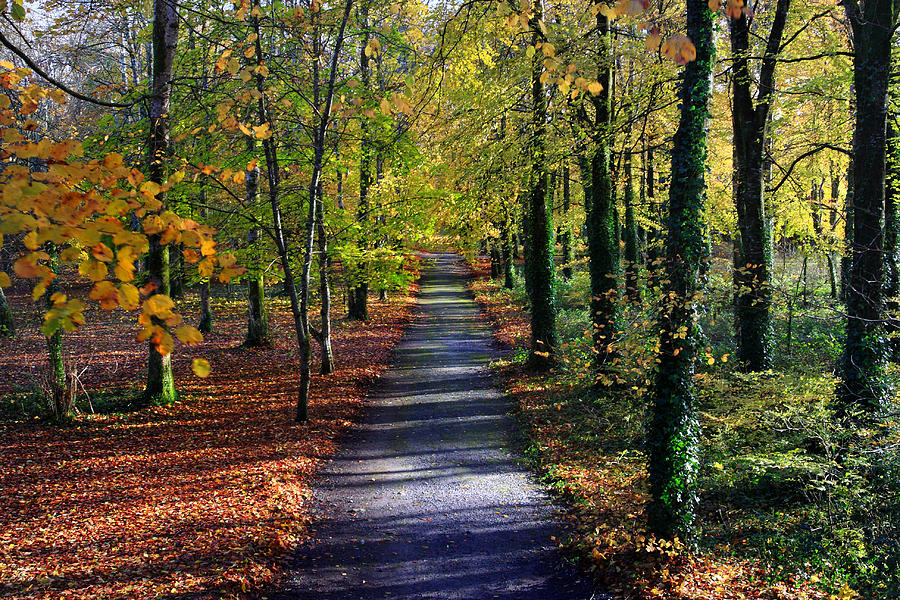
160 381
206 318
833 257
358 308
655 238
632 261
324 337
257 315
7 323
61 398
863 385
849 213
753 306
509 280
672 436
540 263
568 249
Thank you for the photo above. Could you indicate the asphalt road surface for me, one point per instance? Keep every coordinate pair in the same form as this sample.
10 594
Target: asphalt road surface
427 499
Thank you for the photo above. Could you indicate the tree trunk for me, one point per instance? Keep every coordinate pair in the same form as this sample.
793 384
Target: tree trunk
892 225
496 261
672 435
257 315
7 324
603 252
160 381
632 261
655 239
324 337
568 246
62 398
509 279
539 261
754 301
358 298
206 318
832 222
863 385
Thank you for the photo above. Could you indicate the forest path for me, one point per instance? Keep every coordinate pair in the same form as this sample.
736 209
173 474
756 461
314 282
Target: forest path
426 499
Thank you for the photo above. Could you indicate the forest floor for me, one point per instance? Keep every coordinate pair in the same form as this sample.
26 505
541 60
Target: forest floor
198 499
587 449
427 498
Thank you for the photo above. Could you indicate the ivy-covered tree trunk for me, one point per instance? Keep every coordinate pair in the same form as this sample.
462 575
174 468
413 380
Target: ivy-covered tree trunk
509 279
496 260
603 251
539 263
62 396
863 386
632 260
672 434
753 298
160 381
568 242
892 215
7 324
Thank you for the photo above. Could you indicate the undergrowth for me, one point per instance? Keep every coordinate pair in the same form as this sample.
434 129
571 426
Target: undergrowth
792 504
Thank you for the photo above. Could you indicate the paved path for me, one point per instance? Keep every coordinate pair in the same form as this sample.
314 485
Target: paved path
426 500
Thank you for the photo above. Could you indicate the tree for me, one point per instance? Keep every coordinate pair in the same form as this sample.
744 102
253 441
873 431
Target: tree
750 124
160 381
672 426
540 266
600 212
863 386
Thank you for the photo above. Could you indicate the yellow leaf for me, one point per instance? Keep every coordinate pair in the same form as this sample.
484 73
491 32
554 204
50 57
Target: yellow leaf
206 267
159 305
208 247
189 335
129 297
93 270
106 294
163 341
201 367
595 87
262 132
102 252
153 224
4 280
